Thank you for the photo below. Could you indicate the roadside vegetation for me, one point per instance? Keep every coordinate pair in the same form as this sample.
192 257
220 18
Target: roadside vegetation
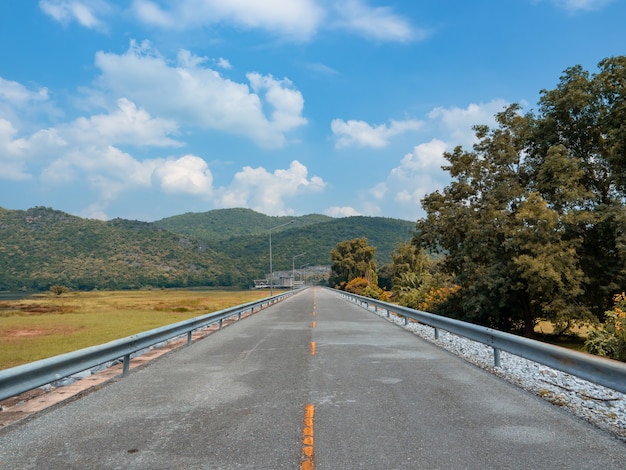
49 324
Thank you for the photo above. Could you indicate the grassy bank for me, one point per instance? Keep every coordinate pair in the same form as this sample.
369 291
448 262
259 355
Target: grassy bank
46 325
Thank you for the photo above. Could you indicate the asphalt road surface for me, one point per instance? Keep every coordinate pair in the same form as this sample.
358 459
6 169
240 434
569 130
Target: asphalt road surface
312 382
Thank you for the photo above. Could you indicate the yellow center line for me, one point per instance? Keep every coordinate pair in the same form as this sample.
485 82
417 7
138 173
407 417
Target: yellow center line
308 438
312 348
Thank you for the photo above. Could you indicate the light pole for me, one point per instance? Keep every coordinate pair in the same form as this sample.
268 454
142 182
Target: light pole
271 267
293 269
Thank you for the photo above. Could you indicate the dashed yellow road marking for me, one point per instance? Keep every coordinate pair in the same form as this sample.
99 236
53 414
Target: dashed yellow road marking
312 348
308 438
313 324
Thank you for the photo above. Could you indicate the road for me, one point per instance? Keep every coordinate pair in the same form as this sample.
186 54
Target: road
313 382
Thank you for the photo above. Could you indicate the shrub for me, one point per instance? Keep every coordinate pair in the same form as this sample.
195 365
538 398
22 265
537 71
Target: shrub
610 340
58 290
361 286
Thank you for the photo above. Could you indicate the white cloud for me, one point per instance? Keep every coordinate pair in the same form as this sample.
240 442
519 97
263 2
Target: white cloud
378 23
584 5
268 192
17 94
224 64
87 149
297 19
188 174
84 12
457 123
280 94
361 134
418 174
126 125
12 163
345 211
94 211
294 18
424 158
199 96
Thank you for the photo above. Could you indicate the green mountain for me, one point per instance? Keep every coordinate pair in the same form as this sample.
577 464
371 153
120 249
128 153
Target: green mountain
251 253
41 247
222 224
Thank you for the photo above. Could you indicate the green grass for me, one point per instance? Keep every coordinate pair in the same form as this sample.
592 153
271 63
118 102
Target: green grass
47 325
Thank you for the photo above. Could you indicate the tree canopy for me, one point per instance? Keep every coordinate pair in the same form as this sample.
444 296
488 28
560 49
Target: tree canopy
352 259
532 225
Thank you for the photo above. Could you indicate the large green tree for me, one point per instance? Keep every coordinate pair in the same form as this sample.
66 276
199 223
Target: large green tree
351 259
505 246
585 117
532 225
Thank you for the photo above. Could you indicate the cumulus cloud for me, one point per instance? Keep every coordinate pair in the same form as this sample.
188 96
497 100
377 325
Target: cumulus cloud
418 173
87 13
361 134
188 174
379 23
95 150
424 157
457 123
344 211
298 19
199 96
17 94
268 192
126 125
295 18
12 163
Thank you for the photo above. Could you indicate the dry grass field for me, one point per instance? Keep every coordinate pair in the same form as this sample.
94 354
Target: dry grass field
46 325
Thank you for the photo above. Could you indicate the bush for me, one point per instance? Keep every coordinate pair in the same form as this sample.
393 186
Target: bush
58 290
361 286
610 340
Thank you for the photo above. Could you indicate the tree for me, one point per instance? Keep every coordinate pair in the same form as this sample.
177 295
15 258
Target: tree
584 117
505 247
351 259
411 272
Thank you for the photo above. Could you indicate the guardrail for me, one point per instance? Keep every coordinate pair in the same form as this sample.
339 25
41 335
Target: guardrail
22 378
599 370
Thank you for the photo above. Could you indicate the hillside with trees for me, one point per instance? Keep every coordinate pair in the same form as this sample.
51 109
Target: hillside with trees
223 224
42 247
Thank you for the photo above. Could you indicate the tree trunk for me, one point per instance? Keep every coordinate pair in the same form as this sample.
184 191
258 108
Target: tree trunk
528 316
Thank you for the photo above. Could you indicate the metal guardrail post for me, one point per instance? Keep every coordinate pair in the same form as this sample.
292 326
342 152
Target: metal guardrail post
496 357
436 333
189 338
126 366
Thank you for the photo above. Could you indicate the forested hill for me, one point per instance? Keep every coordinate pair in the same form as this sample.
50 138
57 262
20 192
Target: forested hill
41 247
315 241
222 224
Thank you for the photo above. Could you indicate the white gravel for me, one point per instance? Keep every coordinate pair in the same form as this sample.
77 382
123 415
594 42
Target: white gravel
601 406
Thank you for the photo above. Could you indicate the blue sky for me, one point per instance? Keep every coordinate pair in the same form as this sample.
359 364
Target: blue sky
144 109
